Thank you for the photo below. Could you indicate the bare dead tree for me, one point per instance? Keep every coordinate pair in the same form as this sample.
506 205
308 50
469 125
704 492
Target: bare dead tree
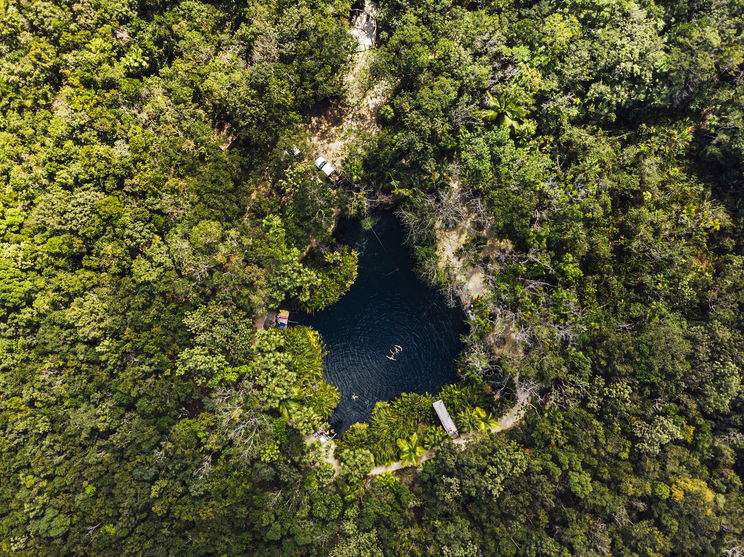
527 388
91 529
451 207
732 437
567 394
204 468
464 114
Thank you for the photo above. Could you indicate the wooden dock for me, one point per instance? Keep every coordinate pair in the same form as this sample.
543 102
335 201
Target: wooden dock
444 417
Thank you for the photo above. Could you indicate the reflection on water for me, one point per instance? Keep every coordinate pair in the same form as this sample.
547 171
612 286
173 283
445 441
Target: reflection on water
387 306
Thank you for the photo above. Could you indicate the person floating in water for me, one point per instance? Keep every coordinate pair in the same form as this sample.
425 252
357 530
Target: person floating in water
394 351
354 396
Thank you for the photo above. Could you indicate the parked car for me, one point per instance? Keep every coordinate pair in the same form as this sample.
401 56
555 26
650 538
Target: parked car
325 166
293 150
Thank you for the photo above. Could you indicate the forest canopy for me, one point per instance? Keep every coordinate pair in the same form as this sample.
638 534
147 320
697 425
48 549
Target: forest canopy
152 213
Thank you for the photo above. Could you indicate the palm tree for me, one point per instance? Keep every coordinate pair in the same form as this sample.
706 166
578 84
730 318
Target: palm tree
410 451
288 407
504 110
484 421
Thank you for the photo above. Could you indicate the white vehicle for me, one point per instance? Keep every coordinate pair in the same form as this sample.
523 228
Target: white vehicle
294 151
325 166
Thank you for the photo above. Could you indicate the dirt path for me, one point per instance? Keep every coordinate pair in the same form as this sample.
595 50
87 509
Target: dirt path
342 123
511 418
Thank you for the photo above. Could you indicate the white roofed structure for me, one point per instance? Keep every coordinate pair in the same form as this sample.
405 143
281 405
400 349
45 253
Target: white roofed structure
444 417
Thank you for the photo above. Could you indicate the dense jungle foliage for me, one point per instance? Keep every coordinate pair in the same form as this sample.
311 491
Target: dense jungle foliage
151 212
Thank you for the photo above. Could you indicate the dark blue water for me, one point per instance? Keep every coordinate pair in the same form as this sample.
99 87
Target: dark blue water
387 305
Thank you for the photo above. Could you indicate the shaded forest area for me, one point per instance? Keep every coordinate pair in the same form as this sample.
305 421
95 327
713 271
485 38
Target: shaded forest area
588 154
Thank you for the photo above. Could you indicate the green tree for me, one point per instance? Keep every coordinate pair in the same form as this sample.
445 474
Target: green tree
410 450
484 421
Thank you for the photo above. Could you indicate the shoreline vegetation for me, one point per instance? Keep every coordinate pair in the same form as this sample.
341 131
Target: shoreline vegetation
332 132
570 170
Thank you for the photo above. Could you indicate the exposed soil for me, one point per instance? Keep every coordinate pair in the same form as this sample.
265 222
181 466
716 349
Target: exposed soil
469 279
335 126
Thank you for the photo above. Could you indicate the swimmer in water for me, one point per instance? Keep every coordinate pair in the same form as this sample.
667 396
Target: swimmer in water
394 351
354 396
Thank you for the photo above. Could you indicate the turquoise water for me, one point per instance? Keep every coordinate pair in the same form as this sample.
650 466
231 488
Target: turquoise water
387 306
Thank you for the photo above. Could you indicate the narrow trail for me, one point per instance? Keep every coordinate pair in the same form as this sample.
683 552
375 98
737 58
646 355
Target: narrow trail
511 418
342 123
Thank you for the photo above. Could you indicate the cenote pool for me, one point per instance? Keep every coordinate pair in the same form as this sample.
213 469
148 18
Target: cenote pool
386 306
